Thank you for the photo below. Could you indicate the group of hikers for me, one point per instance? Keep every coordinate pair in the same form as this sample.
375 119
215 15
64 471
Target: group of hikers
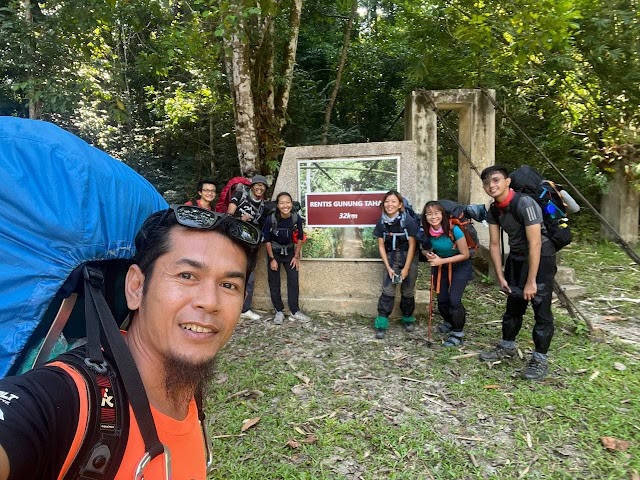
528 274
280 228
192 279
527 277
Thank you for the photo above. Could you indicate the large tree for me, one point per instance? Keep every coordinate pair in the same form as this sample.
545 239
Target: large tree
261 40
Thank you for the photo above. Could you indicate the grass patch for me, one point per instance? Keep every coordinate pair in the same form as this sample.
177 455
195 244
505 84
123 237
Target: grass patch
335 403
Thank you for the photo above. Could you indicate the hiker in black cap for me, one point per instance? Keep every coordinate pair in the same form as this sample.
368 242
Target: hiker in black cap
248 205
529 269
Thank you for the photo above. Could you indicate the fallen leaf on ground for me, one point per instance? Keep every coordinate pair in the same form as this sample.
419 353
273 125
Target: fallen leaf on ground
612 443
298 389
247 424
293 444
612 318
594 375
635 475
302 378
492 387
619 366
311 438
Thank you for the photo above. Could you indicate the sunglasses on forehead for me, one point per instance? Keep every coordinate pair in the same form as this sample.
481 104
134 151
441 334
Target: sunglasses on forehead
195 217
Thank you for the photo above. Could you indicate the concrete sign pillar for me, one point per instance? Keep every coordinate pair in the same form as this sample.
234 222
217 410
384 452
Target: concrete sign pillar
476 136
621 207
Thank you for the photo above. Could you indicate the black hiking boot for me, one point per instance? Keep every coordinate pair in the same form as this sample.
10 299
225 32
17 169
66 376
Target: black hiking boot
380 333
444 327
498 353
409 327
453 341
536 369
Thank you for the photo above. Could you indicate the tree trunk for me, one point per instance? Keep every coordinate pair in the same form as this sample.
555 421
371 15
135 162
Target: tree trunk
259 106
239 70
212 152
35 107
336 85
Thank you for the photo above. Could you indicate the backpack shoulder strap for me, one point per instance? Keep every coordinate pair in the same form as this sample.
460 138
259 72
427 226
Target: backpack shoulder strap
83 415
513 207
103 422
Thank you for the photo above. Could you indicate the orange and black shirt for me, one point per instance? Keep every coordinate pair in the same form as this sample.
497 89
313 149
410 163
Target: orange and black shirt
42 418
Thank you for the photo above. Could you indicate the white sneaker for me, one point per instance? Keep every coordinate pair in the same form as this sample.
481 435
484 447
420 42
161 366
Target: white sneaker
279 318
249 315
300 316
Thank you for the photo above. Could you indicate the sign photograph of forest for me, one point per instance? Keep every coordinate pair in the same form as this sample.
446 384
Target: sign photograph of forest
341 203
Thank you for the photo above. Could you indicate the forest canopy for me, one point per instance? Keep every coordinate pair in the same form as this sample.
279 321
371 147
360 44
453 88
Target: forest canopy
181 90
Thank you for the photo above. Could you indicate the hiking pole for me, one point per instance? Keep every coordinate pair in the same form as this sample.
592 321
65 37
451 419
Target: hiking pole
429 342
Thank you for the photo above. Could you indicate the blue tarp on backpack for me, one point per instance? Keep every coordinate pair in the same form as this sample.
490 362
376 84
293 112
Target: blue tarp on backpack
62 203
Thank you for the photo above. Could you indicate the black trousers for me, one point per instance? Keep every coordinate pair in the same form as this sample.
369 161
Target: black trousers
515 271
292 282
450 294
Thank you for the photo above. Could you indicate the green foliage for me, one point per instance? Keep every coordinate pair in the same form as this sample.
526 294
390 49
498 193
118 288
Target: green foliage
145 80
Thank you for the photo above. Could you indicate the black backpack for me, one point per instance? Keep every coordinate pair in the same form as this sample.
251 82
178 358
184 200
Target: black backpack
525 180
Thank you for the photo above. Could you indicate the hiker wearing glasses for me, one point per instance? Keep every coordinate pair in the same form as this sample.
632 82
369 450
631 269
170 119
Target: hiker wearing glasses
248 206
206 194
528 273
451 266
185 289
396 232
283 236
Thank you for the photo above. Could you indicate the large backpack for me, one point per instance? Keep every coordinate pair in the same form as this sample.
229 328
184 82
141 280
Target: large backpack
462 216
525 180
229 189
65 253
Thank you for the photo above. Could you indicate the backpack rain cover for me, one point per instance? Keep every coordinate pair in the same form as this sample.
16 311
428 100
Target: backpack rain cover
62 203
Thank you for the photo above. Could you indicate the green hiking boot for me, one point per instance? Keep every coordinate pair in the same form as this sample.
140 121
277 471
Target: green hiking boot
498 353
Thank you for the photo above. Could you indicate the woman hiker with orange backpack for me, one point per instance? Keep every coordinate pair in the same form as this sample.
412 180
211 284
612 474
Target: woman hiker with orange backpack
450 269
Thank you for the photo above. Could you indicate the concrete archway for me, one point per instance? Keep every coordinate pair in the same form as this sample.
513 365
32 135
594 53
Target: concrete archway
476 136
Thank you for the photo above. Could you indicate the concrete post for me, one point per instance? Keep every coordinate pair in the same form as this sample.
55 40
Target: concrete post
421 126
476 136
620 207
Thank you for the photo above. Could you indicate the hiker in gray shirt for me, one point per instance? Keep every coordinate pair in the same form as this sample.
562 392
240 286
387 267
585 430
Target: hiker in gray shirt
528 273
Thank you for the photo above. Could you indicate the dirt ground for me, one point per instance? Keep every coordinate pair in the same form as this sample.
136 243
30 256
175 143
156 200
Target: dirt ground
342 349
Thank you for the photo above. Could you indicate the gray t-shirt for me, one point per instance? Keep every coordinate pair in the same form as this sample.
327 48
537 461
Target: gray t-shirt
531 214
